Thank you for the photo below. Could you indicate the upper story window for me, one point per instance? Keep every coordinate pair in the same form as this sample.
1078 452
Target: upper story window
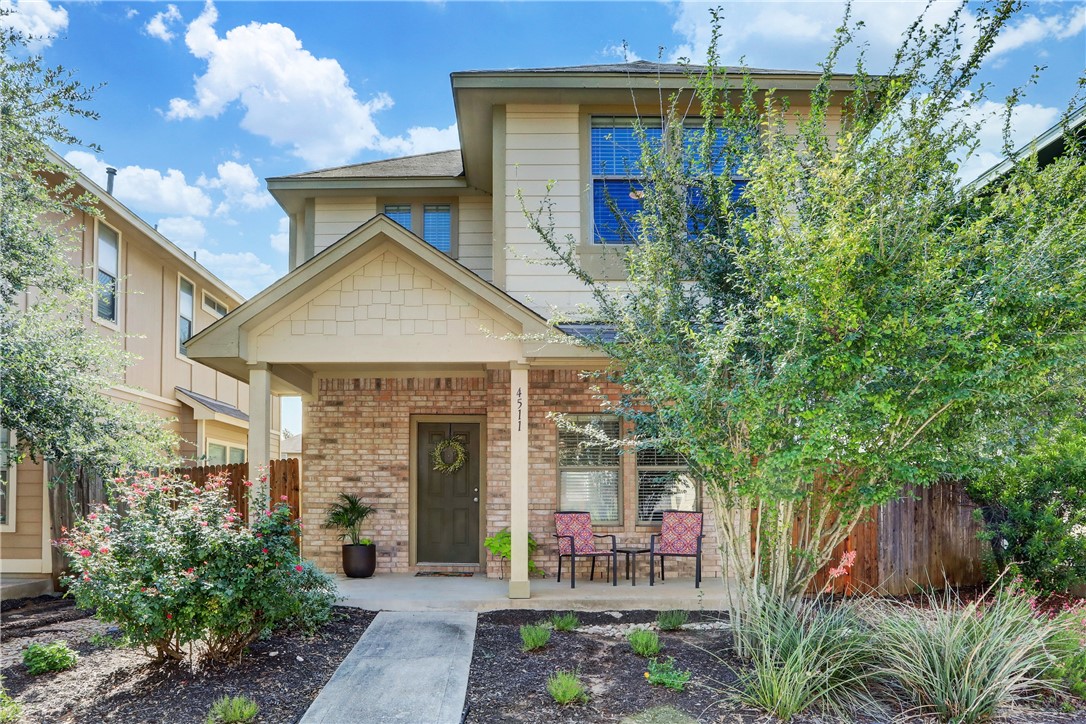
214 306
400 213
186 295
433 222
618 179
108 262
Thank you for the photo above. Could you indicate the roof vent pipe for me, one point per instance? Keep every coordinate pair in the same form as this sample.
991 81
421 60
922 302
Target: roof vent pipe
111 174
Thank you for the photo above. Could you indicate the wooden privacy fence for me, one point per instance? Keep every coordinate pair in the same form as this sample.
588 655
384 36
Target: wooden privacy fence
926 539
283 481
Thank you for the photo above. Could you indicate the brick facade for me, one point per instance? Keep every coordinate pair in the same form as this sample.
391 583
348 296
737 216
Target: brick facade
358 439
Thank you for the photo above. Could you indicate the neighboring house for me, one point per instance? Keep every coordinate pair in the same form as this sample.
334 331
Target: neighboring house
290 447
413 313
1048 146
153 296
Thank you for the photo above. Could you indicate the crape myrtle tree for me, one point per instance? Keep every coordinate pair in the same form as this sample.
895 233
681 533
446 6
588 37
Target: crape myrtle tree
850 321
54 367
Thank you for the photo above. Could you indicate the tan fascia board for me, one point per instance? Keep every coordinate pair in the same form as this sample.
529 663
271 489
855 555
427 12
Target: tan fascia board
223 339
506 80
291 193
171 250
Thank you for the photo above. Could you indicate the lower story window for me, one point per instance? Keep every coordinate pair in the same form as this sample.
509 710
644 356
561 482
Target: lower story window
663 484
222 454
7 480
590 472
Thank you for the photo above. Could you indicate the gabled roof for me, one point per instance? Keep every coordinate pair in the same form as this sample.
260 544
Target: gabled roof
425 165
639 67
1048 146
209 406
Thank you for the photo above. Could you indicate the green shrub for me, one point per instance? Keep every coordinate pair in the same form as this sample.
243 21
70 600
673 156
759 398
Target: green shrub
1034 512
963 662
565 687
803 657
500 546
671 620
644 642
564 621
1068 646
11 711
534 636
181 566
664 673
43 658
233 710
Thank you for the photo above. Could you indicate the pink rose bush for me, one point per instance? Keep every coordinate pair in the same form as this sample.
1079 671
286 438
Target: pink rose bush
179 567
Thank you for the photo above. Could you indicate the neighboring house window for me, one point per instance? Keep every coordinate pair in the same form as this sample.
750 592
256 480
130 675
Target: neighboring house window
437 226
589 475
618 178
662 484
185 304
214 306
7 480
223 453
108 271
400 213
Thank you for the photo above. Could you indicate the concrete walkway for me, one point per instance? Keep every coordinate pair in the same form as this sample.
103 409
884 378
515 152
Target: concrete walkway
408 667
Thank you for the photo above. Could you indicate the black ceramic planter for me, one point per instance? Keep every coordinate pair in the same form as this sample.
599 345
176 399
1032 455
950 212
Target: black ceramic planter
359 561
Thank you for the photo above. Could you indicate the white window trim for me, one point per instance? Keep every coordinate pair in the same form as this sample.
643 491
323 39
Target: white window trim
13 496
177 318
582 419
228 445
207 307
111 324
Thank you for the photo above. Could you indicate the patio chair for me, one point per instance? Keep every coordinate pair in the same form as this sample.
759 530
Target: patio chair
680 535
573 529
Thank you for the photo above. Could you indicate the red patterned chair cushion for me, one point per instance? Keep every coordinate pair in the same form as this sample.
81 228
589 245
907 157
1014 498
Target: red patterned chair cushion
679 533
578 525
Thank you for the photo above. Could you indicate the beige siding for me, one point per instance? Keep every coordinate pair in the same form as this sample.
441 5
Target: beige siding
476 235
337 217
542 146
25 543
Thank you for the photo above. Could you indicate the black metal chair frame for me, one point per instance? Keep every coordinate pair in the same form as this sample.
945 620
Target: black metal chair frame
653 555
572 555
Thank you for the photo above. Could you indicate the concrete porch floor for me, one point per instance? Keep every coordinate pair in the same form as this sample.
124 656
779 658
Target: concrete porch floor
406 592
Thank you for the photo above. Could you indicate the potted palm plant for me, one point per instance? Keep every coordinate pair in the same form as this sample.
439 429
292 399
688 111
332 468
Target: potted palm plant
360 555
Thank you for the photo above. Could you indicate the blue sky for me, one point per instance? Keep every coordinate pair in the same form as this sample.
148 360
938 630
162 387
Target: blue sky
203 101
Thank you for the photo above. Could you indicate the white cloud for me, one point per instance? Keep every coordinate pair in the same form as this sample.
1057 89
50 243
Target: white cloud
280 240
244 271
622 52
146 189
239 184
796 34
1027 122
185 231
159 24
131 13
38 20
290 97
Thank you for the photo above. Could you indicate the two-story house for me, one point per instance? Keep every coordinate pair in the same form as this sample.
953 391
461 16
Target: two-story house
153 297
415 312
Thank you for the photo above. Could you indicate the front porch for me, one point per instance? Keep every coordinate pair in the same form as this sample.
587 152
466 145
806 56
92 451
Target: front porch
406 592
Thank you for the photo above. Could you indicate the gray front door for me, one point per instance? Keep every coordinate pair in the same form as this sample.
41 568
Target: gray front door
448 509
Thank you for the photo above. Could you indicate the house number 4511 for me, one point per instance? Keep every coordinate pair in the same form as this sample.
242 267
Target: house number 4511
520 408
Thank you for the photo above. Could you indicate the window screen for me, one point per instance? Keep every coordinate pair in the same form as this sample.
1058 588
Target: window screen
216 454
400 213
662 484
108 270
589 474
237 455
437 226
185 305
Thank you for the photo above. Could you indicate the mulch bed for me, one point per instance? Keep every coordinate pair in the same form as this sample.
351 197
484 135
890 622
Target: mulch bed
507 685
115 684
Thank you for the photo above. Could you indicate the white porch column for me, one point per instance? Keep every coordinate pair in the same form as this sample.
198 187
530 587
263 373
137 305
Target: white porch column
519 586
260 416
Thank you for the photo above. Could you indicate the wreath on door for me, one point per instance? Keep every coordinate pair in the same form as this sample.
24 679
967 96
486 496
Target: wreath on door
447 463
